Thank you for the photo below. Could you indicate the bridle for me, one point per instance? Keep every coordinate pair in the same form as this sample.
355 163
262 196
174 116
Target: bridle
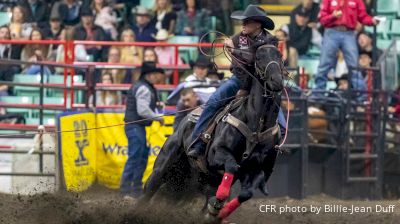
263 74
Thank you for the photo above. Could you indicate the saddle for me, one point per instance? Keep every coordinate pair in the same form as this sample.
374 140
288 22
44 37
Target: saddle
207 135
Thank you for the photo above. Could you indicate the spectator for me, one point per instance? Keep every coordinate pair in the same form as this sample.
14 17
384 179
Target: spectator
394 106
106 17
54 33
144 29
165 17
6 52
309 7
283 43
166 55
118 75
141 104
37 12
79 50
342 83
340 20
300 36
68 11
18 27
149 54
199 78
188 100
214 76
365 44
365 60
200 69
90 32
130 54
192 20
107 97
36 53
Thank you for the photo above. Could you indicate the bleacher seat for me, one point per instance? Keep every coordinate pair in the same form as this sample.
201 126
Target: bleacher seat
382 29
310 65
26 90
147 3
186 53
395 28
46 121
383 44
388 8
18 100
5 18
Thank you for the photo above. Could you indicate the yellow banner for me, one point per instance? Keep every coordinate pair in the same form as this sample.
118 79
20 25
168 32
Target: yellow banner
78 150
111 147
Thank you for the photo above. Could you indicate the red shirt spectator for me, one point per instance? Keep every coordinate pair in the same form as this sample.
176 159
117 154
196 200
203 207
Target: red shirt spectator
344 13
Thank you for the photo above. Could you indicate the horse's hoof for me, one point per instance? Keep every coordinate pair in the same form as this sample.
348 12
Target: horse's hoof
214 206
211 219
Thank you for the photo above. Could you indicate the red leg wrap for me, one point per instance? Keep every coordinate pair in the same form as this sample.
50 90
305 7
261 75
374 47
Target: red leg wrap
229 208
224 187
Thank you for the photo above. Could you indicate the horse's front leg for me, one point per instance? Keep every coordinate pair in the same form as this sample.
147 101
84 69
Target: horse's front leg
249 182
231 167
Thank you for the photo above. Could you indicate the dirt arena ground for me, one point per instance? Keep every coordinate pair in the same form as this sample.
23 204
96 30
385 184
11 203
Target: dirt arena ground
101 205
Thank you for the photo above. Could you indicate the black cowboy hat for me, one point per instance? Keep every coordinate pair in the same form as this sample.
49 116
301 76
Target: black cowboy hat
214 71
149 67
86 11
256 13
343 77
202 61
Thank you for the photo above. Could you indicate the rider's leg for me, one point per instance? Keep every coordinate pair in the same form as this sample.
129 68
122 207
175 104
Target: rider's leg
226 90
282 123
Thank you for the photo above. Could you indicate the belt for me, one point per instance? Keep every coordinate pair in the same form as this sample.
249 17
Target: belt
342 28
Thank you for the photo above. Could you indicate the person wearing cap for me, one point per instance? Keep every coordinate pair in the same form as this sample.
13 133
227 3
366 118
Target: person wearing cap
199 78
140 112
68 11
255 24
340 17
300 35
87 30
166 55
143 28
309 7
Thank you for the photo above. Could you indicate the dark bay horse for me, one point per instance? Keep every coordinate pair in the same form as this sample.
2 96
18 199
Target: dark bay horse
245 154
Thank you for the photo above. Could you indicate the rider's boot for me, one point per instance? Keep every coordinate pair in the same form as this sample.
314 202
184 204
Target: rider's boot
197 149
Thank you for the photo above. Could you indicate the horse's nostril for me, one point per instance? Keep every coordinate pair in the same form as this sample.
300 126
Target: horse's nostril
245 155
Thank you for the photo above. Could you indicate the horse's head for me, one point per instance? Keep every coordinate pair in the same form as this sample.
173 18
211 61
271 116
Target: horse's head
269 67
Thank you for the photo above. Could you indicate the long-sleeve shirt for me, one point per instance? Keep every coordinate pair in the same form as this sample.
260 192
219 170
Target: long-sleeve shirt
143 99
353 11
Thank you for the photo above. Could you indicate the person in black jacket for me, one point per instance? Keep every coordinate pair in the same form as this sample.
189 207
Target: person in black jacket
140 112
37 12
255 23
87 30
300 35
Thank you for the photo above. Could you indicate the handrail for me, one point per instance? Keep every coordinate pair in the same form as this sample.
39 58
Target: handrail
144 44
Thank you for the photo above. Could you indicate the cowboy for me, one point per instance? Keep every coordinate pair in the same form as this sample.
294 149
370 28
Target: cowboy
140 112
255 23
